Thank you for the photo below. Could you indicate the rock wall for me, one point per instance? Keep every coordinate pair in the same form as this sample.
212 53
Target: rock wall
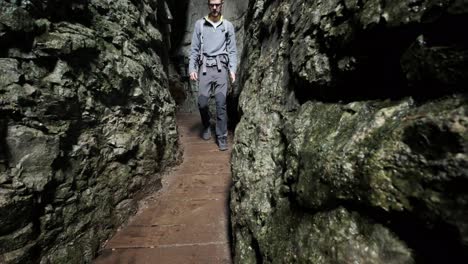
86 121
353 144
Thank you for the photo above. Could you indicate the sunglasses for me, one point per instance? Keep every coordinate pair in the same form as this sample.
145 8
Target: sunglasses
215 5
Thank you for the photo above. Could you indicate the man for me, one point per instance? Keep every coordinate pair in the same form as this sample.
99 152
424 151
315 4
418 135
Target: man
213 56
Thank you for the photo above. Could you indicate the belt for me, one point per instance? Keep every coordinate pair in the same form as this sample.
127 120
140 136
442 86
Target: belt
218 63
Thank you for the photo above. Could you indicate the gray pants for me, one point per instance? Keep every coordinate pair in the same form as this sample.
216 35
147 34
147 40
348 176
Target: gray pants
217 80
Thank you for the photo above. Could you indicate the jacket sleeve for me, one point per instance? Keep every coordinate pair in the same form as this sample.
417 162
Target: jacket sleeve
232 48
195 48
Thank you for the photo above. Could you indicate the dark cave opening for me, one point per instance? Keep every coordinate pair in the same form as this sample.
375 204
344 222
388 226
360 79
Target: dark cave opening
56 10
177 71
390 63
179 11
376 72
22 41
432 240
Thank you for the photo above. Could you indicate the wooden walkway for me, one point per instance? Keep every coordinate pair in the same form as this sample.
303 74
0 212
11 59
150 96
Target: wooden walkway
187 220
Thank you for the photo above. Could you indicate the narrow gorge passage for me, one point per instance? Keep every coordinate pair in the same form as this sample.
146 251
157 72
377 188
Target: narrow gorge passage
187 220
351 134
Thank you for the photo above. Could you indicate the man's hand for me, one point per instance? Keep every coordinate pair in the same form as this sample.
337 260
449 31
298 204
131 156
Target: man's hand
193 76
233 77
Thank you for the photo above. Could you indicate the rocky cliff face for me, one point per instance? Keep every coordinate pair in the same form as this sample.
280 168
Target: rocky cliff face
86 120
352 146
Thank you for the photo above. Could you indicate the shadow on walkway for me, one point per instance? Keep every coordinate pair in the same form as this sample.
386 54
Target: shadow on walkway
187 221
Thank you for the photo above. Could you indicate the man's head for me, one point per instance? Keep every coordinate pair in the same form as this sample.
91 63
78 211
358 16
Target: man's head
216 7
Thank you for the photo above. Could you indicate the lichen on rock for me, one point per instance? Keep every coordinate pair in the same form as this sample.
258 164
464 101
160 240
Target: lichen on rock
352 144
86 122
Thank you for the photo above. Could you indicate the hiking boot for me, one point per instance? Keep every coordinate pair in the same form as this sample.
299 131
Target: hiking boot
222 143
206 134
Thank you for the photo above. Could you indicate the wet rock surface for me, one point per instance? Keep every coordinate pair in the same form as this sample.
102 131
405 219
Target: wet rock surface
352 144
86 121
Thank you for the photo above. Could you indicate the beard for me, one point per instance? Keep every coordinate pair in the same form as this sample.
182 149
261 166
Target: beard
215 13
